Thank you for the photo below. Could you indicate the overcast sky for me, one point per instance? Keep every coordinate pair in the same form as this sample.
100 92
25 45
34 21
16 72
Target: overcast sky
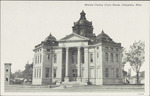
25 24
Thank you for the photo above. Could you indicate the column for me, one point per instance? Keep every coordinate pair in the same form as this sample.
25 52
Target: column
86 65
79 65
67 75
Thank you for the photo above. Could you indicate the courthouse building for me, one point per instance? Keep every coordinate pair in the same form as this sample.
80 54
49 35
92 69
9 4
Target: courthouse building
78 57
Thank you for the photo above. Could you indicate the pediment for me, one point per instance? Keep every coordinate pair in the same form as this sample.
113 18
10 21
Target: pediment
74 37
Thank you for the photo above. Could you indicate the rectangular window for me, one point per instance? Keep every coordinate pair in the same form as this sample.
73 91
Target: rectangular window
35 73
48 49
97 47
40 58
6 79
107 72
47 73
82 54
55 58
112 57
112 72
54 73
116 49
91 57
106 56
40 73
6 70
117 73
48 56
97 55
106 48
112 49
116 57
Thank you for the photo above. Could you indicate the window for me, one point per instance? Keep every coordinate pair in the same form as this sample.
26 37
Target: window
117 73
6 70
116 57
40 73
48 56
47 73
112 72
106 48
48 49
6 79
35 73
55 58
91 57
92 73
116 49
54 73
97 55
112 49
40 58
106 56
82 60
97 47
74 75
107 72
112 57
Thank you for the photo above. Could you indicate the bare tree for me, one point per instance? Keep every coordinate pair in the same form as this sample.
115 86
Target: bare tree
135 57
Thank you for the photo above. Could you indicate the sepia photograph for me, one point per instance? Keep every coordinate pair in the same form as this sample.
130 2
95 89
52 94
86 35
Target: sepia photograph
98 48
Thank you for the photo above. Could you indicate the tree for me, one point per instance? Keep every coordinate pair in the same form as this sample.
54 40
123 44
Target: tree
135 57
124 57
27 73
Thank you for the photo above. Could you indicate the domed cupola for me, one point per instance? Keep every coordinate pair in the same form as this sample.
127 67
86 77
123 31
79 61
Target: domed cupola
50 38
83 26
102 37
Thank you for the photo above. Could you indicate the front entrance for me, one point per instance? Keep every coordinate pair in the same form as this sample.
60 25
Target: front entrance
74 74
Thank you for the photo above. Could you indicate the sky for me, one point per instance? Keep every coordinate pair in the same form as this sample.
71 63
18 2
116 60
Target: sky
25 24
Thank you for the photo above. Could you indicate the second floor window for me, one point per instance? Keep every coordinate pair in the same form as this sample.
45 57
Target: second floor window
55 58
116 57
91 57
112 57
106 56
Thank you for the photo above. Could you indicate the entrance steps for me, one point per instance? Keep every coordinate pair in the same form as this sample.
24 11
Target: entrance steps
73 83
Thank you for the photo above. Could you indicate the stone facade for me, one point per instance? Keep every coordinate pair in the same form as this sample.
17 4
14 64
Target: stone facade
78 57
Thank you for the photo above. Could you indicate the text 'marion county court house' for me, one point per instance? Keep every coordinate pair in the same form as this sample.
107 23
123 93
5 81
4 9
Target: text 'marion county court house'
78 57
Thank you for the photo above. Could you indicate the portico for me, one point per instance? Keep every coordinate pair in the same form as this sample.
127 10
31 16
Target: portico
74 62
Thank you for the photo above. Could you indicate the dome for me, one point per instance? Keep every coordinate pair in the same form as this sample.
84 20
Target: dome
104 37
50 38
